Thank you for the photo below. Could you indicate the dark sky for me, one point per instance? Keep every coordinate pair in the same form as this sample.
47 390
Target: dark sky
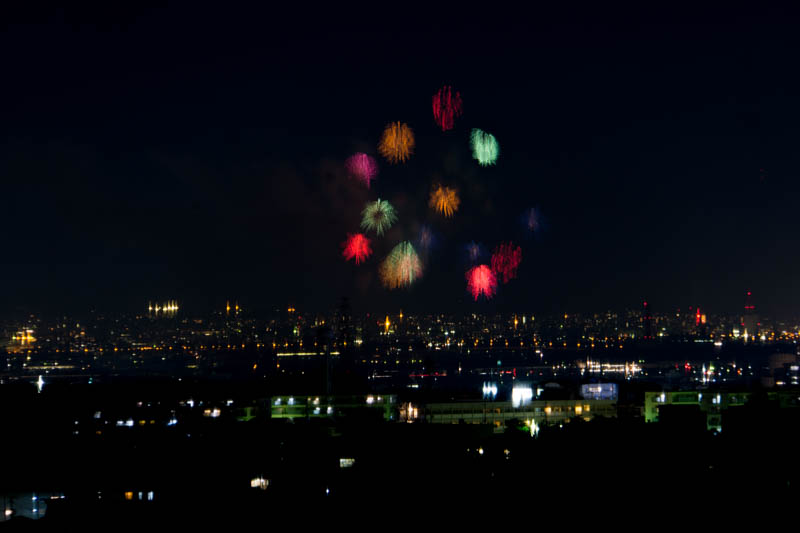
197 153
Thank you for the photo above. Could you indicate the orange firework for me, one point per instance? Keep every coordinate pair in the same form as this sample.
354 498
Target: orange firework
397 142
445 201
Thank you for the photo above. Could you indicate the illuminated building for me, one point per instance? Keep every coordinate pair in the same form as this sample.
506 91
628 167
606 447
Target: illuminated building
599 391
750 323
160 310
710 403
647 323
539 412
323 406
21 341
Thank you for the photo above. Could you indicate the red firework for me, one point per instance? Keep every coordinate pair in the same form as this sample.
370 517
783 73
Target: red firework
357 247
362 167
481 281
446 107
506 260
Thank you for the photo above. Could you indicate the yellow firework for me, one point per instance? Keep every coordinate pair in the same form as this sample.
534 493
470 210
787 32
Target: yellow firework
397 142
445 201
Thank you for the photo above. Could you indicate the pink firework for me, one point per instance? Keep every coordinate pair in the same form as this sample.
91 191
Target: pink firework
481 281
506 260
362 167
357 247
446 107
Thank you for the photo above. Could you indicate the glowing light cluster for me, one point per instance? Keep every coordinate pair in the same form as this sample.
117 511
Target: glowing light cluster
357 247
362 167
445 201
484 147
401 267
378 216
397 142
446 107
505 261
481 281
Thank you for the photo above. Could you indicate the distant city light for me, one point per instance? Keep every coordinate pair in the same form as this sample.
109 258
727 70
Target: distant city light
521 395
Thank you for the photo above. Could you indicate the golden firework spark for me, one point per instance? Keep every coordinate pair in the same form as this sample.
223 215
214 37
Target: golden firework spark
397 142
445 201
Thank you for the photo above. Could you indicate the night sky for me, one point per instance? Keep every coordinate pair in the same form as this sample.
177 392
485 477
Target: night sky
197 154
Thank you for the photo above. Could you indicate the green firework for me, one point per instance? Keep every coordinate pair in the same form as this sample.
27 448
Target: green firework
484 147
378 216
401 267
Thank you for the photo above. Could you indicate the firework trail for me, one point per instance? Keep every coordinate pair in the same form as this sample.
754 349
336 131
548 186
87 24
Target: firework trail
484 147
481 280
445 201
505 261
362 167
446 107
397 142
378 216
401 267
357 246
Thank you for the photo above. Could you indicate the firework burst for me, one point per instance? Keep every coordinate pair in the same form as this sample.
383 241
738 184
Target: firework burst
474 252
401 267
481 280
506 260
446 107
357 246
397 142
445 201
484 147
378 216
362 167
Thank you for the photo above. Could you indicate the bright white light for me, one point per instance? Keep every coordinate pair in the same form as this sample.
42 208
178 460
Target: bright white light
291 401
259 483
521 395
346 462
489 390
370 400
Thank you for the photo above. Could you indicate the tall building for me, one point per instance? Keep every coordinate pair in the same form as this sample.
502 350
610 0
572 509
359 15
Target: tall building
750 318
647 323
